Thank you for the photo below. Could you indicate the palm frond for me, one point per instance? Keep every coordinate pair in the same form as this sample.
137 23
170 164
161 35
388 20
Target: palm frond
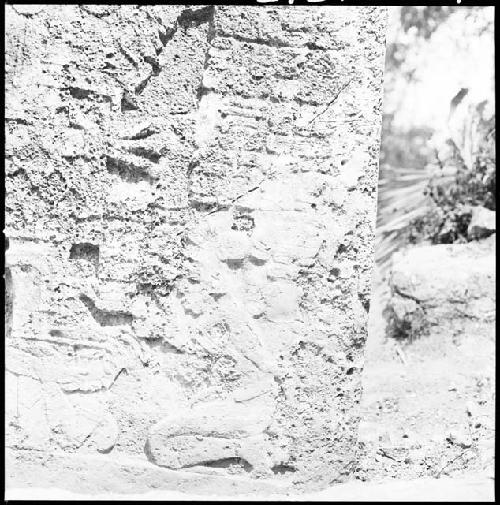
401 199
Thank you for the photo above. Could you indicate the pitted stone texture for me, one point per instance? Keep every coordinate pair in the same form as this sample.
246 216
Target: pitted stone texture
191 196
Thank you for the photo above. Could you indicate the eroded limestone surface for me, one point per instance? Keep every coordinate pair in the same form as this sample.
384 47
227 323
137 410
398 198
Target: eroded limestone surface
443 289
190 208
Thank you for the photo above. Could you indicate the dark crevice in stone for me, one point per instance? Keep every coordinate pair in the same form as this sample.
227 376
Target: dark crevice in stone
80 93
282 469
18 120
342 248
147 452
195 18
166 36
402 294
155 66
96 14
128 103
216 296
143 134
224 463
191 166
202 90
127 170
365 301
258 262
189 17
128 56
209 207
106 317
9 302
142 85
144 152
256 40
85 251
234 264
57 334
160 345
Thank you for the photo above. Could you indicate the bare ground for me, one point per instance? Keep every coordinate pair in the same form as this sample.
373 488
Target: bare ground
428 405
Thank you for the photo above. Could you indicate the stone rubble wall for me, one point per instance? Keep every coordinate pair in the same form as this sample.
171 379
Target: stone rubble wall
191 195
443 289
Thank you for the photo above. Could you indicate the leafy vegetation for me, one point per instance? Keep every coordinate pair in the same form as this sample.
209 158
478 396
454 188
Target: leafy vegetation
472 184
431 175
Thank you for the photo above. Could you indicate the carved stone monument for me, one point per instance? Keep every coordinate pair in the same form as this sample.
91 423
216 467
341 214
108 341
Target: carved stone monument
190 209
